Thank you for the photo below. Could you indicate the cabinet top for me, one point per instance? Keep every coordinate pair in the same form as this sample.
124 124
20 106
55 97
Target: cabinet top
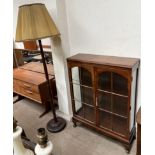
29 76
105 60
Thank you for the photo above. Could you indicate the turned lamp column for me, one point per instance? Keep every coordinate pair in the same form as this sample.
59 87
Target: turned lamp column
47 79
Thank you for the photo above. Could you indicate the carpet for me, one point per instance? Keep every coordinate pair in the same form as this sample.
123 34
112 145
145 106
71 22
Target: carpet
71 141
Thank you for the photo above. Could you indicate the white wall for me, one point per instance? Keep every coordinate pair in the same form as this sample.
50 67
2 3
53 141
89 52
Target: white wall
61 50
110 27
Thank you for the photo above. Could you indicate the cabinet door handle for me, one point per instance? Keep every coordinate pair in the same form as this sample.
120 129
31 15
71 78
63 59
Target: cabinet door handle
29 92
96 101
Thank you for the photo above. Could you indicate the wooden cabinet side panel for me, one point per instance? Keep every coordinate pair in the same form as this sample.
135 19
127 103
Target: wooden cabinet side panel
71 86
132 99
44 91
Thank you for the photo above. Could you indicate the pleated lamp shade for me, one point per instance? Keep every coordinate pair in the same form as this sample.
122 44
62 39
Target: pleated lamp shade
34 23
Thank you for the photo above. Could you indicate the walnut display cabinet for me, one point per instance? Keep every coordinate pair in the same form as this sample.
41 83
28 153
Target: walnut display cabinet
103 94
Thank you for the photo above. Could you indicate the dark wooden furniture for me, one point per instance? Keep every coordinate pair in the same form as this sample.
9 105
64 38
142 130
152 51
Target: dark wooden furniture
17 58
30 45
30 82
38 67
103 94
138 119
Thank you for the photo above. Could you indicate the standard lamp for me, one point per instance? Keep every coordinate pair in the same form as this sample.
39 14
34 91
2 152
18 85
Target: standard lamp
35 23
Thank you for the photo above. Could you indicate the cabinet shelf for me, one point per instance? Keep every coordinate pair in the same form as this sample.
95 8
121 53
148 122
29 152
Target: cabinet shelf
80 85
83 103
115 114
109 92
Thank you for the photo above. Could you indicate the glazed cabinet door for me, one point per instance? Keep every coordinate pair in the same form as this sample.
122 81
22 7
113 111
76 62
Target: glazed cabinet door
112 96
82 92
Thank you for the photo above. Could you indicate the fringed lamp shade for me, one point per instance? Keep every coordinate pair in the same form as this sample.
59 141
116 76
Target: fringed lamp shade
34 23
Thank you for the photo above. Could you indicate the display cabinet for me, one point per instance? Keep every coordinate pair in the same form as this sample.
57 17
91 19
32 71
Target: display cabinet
103 94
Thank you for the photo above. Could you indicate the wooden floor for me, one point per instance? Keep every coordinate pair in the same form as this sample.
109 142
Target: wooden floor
71 141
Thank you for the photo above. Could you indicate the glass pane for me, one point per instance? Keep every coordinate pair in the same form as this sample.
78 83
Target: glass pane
75 75
82 85
89 113
79 108
120 125
120 105
120 84
77 92
81 76
105 119
87 95
104 81
104 100
86 78
83 94
84 111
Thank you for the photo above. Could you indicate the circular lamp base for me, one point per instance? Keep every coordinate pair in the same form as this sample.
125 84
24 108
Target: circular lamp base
53 126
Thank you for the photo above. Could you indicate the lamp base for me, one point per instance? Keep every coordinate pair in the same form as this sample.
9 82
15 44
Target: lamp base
53 126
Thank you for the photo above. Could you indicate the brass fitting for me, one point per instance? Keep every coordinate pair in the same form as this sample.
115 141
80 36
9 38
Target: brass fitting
42 137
